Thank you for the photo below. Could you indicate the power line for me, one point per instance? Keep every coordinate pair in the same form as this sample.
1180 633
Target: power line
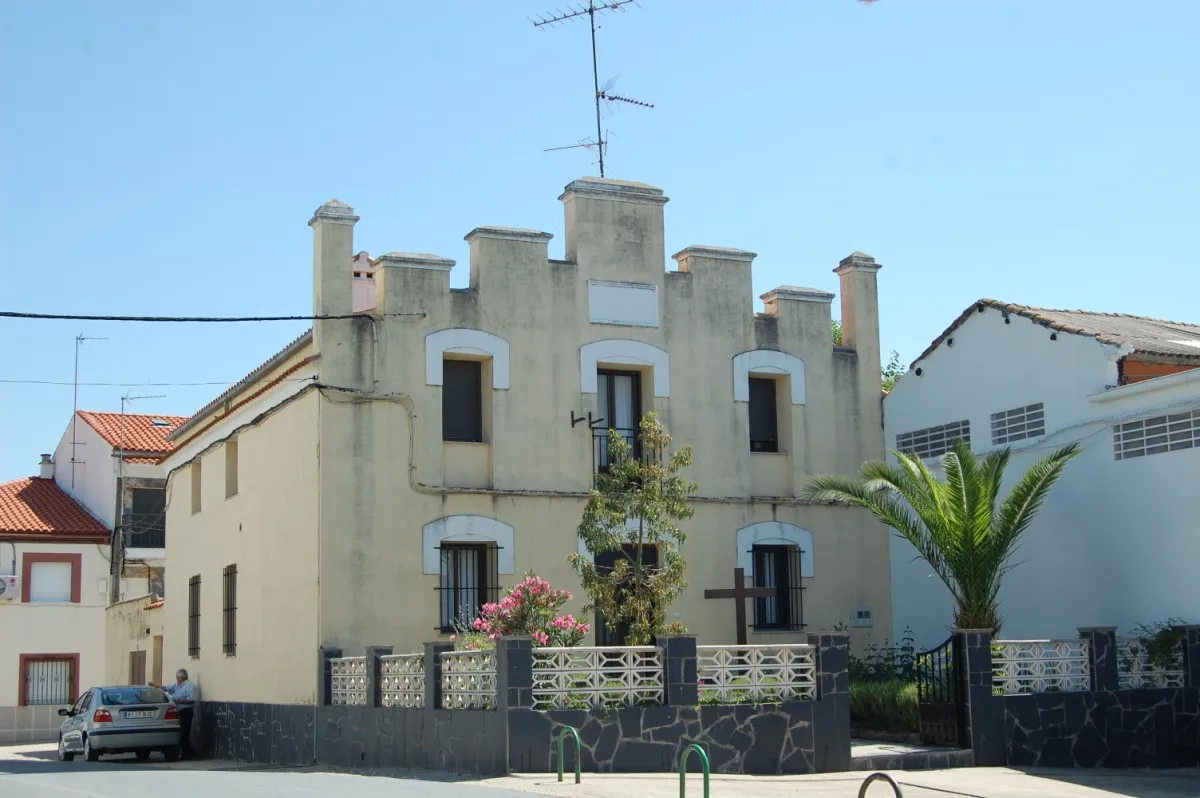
141 384
12 314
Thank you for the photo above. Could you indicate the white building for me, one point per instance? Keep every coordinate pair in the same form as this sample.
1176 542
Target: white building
111 463
1118 541
54 575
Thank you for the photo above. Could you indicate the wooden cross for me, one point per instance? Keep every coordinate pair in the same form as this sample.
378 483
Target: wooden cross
739 594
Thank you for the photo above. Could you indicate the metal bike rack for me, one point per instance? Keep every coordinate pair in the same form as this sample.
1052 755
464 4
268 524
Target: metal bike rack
562 736
862 791
683 768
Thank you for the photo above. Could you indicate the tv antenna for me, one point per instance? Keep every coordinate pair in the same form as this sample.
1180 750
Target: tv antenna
79 339
604 95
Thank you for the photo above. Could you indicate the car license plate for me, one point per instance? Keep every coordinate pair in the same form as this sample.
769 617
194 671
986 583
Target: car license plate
136 715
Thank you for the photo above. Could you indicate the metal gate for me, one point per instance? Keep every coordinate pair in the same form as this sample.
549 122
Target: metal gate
48 681
940 704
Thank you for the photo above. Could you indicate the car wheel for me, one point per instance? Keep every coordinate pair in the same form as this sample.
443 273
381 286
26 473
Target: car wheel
63 754
170 754
89 753
142 755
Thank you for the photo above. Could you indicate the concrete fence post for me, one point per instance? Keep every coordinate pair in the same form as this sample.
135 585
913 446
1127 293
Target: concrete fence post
325 674
1191 654
374 696
433 672
1102 656
514 673
831 714
983 709
681 685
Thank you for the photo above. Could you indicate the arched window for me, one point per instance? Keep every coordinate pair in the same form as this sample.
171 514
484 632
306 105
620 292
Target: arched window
468 553
620 352
767 362
472 343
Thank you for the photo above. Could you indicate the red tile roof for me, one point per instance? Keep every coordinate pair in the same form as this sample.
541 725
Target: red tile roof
135 432
153 605
36 509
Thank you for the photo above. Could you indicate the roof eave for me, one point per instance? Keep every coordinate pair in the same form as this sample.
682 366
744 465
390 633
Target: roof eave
241 385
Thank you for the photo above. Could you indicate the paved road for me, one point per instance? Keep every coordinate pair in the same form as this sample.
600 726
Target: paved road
26 773
29 772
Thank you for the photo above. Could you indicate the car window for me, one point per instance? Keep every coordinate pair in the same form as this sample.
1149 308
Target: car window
82 703
126 696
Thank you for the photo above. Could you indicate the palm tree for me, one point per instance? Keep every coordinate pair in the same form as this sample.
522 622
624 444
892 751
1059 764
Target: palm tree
954 523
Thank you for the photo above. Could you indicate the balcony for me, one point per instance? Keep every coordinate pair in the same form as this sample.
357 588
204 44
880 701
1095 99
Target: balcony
145 536
601 457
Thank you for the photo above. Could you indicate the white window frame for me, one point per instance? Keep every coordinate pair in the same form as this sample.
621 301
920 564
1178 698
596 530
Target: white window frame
767 362
467 529
465 341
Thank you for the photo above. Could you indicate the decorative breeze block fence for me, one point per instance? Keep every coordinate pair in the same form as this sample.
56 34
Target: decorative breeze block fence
579 677
762 674
468 679
1041 666
349 681
401 680
1135 672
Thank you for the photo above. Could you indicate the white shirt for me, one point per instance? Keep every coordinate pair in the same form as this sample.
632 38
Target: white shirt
184 693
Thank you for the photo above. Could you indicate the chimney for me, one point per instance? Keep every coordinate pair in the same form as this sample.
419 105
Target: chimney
333 253
858 273
615 227
47 467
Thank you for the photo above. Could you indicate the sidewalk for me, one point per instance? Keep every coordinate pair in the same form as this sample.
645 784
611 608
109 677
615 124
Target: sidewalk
972 782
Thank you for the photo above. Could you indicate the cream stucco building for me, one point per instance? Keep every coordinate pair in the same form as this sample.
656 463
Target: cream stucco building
394 466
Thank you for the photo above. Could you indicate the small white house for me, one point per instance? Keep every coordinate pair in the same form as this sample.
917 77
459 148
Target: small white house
1118 541
53 590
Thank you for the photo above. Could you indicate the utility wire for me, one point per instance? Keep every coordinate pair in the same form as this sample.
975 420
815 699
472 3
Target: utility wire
144 384
12 314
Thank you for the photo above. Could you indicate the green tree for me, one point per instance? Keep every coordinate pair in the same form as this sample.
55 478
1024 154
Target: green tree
890 372
648 491
954 522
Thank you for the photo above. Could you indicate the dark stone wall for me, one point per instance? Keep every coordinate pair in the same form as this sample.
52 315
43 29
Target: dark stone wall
1119 729
455 740
798 737
460 741
275 734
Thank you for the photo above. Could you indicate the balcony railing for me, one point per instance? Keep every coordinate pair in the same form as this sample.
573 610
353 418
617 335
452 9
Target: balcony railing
145 531
601 456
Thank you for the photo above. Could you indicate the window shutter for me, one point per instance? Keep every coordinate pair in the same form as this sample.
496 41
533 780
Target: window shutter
764 428
462 400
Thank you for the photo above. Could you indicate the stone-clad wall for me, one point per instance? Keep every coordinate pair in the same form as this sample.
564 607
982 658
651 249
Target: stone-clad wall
1119 729
268 734
795 737
798 737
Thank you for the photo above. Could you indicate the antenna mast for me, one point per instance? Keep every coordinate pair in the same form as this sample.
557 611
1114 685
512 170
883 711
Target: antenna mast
600 94
79 339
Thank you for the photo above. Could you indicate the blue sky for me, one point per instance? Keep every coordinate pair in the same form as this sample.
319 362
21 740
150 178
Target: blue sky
164 158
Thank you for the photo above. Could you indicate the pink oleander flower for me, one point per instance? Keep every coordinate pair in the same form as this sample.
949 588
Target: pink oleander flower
541 638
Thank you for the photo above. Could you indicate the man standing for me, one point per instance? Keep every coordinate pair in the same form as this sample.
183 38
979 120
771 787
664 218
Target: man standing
184 694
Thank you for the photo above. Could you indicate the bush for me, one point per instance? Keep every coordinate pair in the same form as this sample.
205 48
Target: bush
883 663
528 608
889 706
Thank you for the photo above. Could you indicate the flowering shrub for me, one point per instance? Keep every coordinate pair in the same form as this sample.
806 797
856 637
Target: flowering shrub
529 608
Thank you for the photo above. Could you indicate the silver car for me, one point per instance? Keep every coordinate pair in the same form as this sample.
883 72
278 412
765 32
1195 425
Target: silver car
119 720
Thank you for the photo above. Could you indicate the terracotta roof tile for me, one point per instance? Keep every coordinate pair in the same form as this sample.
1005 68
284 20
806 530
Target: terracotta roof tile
1144 335
36 507
135 432
153 605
